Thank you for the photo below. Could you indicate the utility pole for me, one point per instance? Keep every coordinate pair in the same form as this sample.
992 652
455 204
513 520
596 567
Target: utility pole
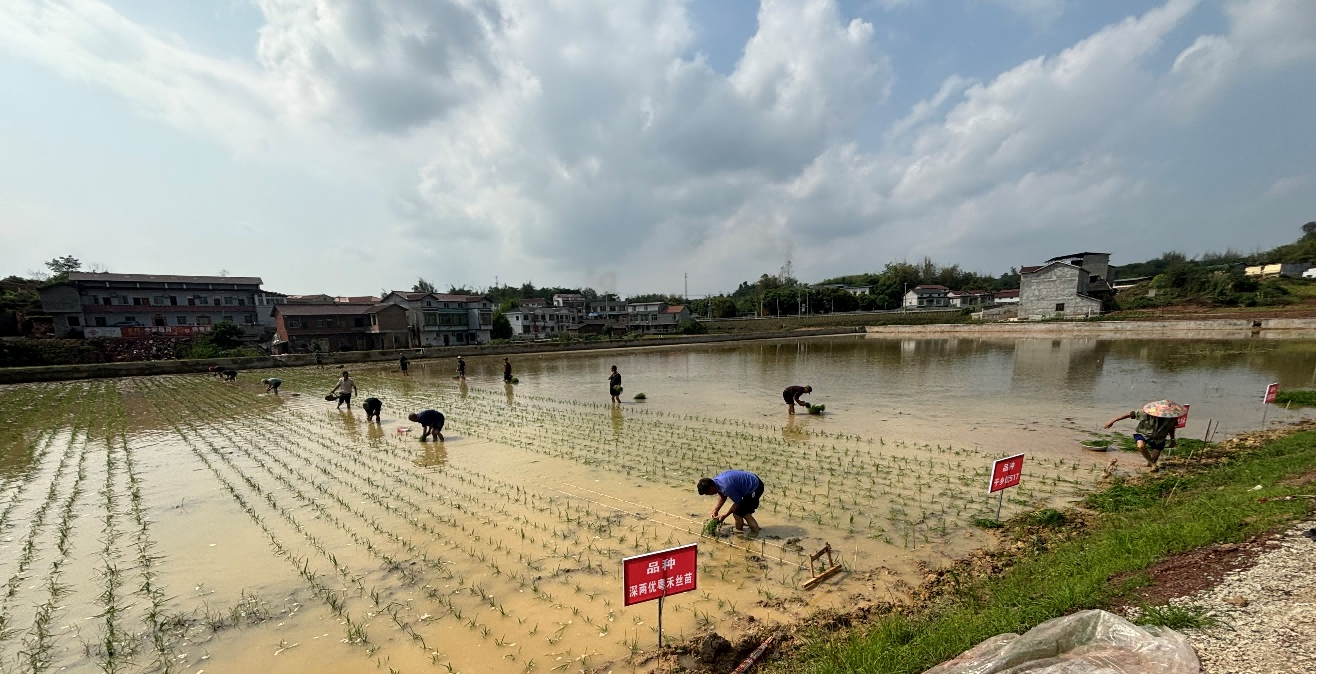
685 287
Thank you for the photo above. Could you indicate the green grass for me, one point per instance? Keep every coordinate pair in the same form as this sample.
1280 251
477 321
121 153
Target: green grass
1178 617
1138 525
1297 398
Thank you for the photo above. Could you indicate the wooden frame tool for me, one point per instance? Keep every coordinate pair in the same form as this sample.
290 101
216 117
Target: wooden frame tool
832 568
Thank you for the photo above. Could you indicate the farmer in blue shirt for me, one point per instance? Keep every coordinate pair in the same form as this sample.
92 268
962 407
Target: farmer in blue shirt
742 488
431 421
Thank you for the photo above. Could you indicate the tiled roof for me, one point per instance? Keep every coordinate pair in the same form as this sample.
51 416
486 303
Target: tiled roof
1006 294
931 287
163 278
1073 255
674 309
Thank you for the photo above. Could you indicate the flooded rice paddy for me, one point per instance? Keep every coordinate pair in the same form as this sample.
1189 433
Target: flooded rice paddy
183 524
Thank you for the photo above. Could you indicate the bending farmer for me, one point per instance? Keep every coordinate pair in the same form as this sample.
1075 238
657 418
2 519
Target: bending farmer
372 407
345 388
272 384
1157 422
791 395
742 488
432 423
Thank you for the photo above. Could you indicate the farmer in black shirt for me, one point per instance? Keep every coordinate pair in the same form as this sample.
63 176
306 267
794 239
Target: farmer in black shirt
791 395
431 421
615 385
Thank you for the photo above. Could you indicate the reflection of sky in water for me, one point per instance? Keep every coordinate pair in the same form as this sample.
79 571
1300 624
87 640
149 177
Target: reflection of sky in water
941 381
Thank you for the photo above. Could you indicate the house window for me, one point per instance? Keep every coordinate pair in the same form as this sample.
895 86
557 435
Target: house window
374 319
107 300
1060 306
181 320
427 303
192 301
358 322
159 320
137 301
249 319
320 322
173 300
75 322
242 302
228 301
203 320
217 302
100 321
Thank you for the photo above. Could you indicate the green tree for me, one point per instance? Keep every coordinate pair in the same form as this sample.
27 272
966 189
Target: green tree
692 327
226 335
502 328
423 286
61 266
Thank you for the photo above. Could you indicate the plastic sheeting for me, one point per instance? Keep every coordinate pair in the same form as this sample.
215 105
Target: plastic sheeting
1088 642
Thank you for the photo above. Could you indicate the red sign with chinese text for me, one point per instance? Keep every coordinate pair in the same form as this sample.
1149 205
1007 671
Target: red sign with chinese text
1006 473
1184 420
1272 390
658 574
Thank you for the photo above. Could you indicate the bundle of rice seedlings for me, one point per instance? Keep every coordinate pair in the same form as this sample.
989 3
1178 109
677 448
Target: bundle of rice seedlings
815 409
640 396
617 390
711 527
1096 445
515 380
330 396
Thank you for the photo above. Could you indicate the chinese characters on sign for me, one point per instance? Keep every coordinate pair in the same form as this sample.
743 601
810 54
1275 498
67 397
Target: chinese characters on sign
1184 420
659 574
1006 473
1272 390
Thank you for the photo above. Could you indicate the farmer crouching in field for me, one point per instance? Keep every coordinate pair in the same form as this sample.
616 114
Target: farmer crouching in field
431 421
272 384
742 488
1157 422
345 388
372 407
791 395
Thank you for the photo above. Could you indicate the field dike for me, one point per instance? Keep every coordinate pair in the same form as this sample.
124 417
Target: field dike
1048 563
180 523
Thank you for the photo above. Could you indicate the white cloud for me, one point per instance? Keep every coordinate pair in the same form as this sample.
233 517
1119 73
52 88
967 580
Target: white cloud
589 142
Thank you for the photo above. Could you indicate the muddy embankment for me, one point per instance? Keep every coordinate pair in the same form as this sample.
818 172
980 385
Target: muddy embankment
1282 328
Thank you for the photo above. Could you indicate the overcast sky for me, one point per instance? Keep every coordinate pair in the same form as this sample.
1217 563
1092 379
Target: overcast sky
345 146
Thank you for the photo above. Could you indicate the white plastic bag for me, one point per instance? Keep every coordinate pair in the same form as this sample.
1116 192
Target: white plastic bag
1088 642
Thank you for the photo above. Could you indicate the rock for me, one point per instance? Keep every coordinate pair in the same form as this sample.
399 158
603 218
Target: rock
711 647
1237 600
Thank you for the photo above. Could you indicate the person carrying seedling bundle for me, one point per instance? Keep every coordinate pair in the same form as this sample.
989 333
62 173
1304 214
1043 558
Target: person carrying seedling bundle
372 407
402 365
742 488
461 368
1157 422
431 421
791 395
345 388
507 371
615 385
272 384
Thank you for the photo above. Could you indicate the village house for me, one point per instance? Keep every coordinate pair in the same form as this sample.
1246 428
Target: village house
570 301
541 322
969 298
440 319
139 305
927 297
1058 288
656 317
340 326
1011 296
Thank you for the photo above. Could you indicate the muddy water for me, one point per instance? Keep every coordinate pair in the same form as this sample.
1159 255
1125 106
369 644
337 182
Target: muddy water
185 521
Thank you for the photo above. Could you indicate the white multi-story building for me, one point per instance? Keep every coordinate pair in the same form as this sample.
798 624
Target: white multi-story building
656 317
436 319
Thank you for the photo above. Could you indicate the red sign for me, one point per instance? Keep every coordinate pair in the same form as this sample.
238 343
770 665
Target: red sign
658 574
1006 473
1184 420
174 330
1272 390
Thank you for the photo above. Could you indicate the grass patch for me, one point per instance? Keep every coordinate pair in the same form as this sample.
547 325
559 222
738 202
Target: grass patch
987 523
1178 617
1297 398
1137 526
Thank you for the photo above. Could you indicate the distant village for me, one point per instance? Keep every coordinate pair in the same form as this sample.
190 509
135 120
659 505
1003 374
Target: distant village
110 305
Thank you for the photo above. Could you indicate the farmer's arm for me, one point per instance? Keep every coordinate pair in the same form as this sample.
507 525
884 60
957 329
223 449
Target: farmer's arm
1129 415
336 385
729 512
718 506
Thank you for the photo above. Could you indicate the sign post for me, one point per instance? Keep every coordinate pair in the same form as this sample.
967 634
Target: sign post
1005 474
1268 398
655 575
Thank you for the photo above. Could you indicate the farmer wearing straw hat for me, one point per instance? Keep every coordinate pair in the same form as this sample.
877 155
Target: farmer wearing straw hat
1156 426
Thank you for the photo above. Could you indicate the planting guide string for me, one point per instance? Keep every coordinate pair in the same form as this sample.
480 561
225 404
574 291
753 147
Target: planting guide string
673 526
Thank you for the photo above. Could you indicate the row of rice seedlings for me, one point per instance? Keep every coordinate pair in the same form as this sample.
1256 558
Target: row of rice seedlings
355 629
36 524
42 423
37 643
340 469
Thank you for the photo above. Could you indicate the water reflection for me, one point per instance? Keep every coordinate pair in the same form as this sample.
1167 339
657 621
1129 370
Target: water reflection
617 420
431 455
